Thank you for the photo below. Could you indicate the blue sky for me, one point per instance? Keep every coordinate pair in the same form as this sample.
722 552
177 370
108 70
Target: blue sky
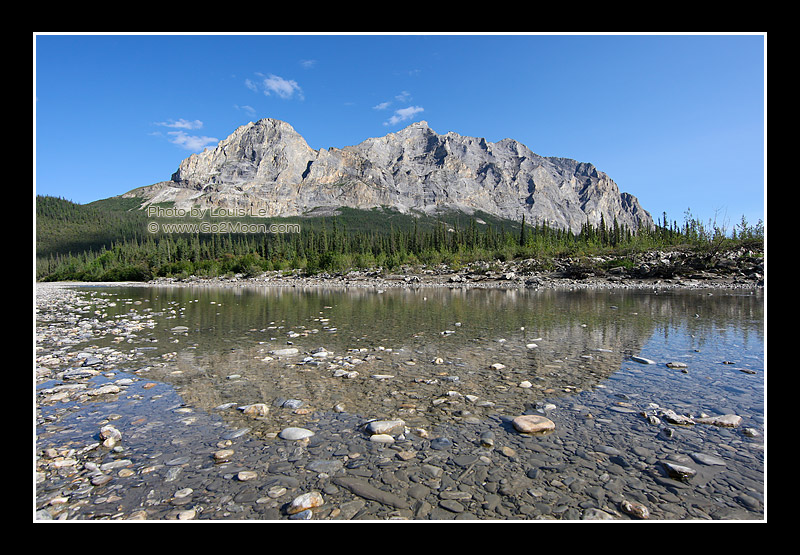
676 120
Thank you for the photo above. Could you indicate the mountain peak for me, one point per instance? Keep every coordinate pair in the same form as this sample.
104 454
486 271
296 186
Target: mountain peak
268 166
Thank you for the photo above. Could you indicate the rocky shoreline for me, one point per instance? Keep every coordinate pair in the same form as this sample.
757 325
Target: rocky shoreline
675 269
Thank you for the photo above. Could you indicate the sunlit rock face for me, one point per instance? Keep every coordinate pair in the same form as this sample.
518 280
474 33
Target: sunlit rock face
268 168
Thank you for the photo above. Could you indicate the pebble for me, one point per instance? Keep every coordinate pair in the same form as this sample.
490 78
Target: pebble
247 475
635 509
726 421
594 513
707 459
285 352
532 423
305 502
642 360
487 439
294 433
188 514
441 443
223 455
185 492
256 410
381 438
386 426
679 472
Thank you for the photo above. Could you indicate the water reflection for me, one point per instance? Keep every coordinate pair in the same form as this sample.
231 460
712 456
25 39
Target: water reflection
425 355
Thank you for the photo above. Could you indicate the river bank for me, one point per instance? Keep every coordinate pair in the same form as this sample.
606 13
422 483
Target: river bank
674 269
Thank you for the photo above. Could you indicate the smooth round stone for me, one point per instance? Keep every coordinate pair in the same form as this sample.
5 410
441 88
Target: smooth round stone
295 433
256 410
708 459
246 475
642 360
596 514
532 423
725 421
185 492
635 509
305 502
101 479
325 466
381 438
188 514
223 455
451 505
386 426
440 443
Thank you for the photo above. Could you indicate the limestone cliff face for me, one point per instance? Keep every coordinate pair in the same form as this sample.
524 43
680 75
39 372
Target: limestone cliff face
268 166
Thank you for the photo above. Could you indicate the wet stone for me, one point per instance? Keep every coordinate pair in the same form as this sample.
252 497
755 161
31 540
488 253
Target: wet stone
441 443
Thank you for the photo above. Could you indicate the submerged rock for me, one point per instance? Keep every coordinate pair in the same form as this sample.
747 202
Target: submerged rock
726 421
679 472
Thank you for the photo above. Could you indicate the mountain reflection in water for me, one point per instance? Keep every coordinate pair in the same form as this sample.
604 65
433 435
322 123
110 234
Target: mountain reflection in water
426 355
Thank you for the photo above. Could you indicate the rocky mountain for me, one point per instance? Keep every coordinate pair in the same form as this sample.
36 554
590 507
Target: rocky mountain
268 167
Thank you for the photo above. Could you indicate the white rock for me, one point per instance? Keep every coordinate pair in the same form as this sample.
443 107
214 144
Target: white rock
285 352
386 426
642 360
305 502
256 410
293 433
110 432
381 438
726 421
246 475
532 423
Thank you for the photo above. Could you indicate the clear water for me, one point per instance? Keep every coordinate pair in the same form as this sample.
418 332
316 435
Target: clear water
419 352
582 338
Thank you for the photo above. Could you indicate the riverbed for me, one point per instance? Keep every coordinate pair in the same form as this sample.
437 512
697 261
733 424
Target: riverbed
182 402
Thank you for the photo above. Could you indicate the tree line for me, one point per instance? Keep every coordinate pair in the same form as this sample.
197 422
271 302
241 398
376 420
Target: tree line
85 243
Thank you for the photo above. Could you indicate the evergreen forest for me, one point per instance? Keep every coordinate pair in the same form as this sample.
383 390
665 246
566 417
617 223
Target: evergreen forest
109 240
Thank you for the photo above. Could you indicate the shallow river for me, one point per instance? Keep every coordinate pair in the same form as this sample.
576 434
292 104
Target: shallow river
456 366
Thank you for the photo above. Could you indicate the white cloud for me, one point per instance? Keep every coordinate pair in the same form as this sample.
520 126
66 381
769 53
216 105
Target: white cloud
404 96
275 84
403 114
381 106
308 64
181 124
248 109
284 88
191 142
